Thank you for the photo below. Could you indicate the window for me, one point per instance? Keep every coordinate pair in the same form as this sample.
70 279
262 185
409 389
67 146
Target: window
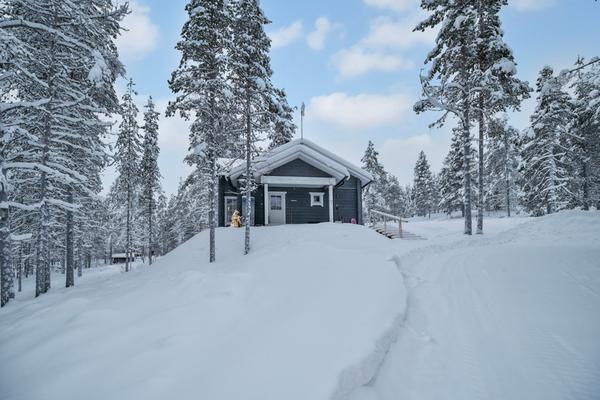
276 202
316 199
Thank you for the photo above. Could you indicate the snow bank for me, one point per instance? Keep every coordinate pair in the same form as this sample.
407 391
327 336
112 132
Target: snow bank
308 315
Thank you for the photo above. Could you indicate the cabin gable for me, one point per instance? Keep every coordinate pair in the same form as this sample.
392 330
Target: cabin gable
298 167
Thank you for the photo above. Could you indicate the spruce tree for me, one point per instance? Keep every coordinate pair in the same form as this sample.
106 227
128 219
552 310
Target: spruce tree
496 85
546 148
585 161
203 93
127 160
161 222
64 81
449 85
435 193
283 129
451 176
373 195
150 176
423 186
394 197
501 163
251 77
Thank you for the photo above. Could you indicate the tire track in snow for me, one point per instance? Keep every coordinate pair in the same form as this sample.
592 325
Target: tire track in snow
365 372
361 375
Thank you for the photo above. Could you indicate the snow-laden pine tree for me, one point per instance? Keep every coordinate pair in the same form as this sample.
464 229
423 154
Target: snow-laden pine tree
203 94
449 86
127 162
161 221
451 176
115 218
12 139
150 177
495 83
68 68
409 201
423 186
252 87
374 194
585 182
394 197
283 128
186 213
169 224
436 195
547 146
501 163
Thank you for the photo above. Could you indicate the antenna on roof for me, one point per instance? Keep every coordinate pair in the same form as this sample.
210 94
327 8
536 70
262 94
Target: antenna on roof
302 112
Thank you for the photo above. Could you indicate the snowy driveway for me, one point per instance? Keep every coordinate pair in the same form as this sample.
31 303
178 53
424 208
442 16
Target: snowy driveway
512 315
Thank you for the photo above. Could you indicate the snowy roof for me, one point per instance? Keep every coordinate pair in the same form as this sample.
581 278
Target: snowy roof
309 152
229 164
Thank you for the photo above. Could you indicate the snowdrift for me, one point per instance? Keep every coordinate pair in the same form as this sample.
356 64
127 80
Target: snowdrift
308 315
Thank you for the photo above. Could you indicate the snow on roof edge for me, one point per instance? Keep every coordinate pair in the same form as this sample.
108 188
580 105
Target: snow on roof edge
364 176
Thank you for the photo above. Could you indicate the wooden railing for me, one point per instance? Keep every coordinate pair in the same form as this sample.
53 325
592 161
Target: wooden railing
388 217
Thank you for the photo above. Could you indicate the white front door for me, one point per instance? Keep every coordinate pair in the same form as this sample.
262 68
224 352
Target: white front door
276 208
230 208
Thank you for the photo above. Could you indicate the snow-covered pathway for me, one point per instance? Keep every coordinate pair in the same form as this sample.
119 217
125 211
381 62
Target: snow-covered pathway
511 315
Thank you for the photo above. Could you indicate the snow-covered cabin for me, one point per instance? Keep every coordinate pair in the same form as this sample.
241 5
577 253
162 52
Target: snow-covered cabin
121 258
298 183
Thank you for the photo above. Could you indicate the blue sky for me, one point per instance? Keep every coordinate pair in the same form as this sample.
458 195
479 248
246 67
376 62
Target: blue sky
355 63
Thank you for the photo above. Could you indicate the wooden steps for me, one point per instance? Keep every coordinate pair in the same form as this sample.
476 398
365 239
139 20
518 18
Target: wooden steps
394 234
391 226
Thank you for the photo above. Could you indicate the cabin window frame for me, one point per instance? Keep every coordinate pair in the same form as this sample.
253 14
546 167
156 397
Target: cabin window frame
320 202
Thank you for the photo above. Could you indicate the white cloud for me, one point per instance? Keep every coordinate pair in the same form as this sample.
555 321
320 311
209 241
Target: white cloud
532 5
384 47
397 34
141 36
395 5
286 35
358 61
359 112
316 39
400 155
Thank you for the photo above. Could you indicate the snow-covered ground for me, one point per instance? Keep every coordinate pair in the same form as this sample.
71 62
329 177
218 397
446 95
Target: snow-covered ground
314 311
514 314
309 314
